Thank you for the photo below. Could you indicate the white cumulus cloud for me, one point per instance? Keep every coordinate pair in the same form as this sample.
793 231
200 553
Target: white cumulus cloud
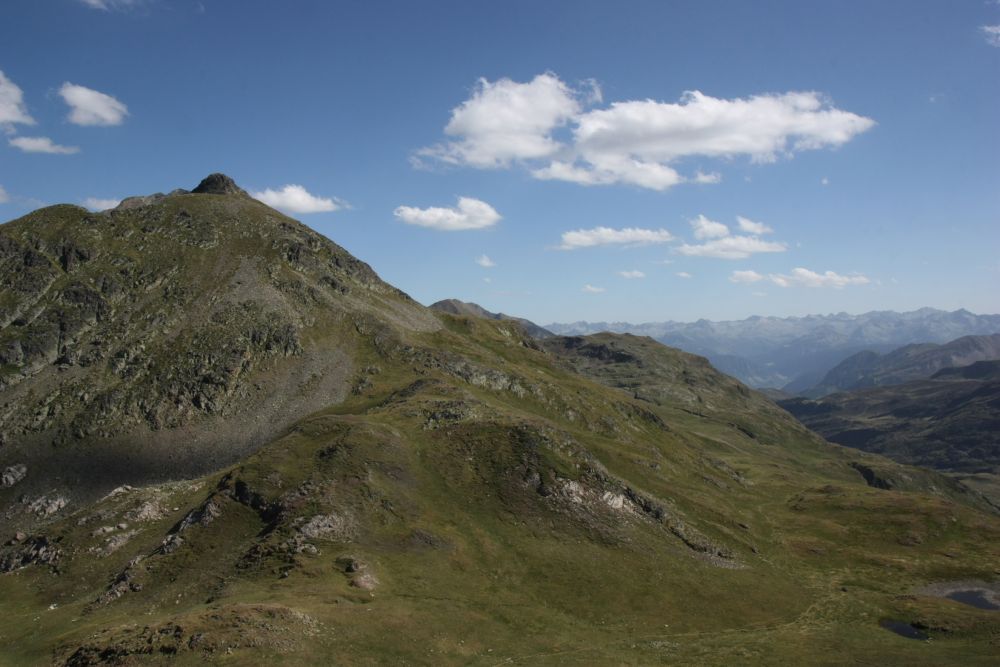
632 275
708 229
12 107
752 227
731 247
632 137
683 274
992 34
590 289
98 204
41 145
91 107
745 277
468 214
587 238
296 199
634 141
806 278
485 262
505 121
760 127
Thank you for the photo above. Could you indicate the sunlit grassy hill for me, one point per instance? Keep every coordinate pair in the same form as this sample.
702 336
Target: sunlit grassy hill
321 471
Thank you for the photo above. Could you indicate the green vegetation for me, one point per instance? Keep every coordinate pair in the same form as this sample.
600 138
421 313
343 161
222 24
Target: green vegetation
465 495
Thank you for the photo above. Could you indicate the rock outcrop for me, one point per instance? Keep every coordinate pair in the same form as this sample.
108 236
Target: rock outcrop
219 184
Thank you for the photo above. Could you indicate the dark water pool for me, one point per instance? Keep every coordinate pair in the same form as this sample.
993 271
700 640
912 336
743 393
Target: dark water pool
973 598
902 629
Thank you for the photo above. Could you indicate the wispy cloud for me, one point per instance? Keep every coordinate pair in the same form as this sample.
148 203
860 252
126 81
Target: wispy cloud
631 275
806 278
12 108
752 227
992 34
115 5
634 142
721 244
97 204
598 236
42 145
91 107
709 178
708 229
650 175
745 277
296 199
590 289
485 262
4 197
731 247
684 274
468 214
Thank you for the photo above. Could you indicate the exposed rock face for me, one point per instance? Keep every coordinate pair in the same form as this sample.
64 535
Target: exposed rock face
33 551
13 474
46 505
328 526
219 184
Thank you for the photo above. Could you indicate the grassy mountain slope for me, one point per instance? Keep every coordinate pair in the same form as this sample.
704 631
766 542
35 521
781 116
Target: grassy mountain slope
475 496
949 421
456 307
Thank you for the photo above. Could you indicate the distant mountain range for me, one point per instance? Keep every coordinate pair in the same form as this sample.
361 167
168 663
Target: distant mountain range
795 353
911 362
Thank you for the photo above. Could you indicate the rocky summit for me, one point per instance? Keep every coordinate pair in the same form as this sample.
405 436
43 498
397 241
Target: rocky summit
225 439
219 184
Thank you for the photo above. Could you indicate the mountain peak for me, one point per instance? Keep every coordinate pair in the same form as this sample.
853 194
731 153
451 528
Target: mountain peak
219 184
468 309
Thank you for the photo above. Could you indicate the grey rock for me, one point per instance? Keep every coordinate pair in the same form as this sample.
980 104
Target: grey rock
13 474
46 505
34 551
328 526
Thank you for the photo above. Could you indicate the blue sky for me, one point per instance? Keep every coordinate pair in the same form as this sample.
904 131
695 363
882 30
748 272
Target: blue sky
857 141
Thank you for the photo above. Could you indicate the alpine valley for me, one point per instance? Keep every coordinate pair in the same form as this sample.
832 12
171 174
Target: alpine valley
225 439
795 353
